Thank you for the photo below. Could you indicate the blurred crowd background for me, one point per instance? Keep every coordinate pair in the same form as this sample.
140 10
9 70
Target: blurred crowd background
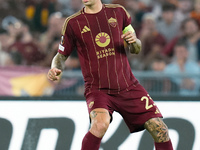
30 32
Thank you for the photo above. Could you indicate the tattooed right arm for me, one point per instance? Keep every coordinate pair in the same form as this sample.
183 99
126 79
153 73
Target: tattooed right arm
57 65
59 61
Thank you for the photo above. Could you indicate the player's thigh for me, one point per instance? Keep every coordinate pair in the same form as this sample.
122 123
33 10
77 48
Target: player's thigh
137 107
98 100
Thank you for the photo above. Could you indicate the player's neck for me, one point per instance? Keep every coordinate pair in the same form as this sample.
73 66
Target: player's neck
92 9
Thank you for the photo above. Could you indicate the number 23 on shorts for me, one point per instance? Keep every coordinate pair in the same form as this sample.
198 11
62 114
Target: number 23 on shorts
147 104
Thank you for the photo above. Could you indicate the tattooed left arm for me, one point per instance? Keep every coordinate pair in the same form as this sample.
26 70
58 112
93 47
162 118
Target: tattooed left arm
129 36
134 44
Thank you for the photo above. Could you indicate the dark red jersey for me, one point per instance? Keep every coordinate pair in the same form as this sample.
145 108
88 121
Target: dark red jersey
100 47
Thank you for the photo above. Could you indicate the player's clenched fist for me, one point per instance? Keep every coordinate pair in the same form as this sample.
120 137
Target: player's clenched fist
53 74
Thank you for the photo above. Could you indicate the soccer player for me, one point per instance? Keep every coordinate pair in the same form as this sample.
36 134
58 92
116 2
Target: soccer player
98 31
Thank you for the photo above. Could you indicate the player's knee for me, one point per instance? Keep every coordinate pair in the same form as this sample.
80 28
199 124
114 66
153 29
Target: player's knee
99 128
100 120
158 129
102 126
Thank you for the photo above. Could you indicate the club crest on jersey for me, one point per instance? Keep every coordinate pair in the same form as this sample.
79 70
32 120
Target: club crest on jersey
62 40
91 104
113 22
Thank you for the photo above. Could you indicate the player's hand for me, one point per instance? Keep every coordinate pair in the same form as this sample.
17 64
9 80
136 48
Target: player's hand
129 37
53 74
133 42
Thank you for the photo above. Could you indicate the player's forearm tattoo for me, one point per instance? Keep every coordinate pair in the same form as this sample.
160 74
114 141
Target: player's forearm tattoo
59 61
95 113
136 47
157 129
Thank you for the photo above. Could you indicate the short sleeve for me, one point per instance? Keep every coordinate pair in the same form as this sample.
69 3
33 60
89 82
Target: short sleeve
67 43
126 17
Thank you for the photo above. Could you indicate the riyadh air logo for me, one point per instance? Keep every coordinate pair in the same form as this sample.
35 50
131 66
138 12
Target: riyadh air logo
85 29
102 39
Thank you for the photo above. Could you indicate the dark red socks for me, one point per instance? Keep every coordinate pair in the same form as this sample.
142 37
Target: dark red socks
91 142
164 146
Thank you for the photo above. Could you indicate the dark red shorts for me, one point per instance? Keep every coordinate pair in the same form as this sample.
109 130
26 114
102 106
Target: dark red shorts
135 106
